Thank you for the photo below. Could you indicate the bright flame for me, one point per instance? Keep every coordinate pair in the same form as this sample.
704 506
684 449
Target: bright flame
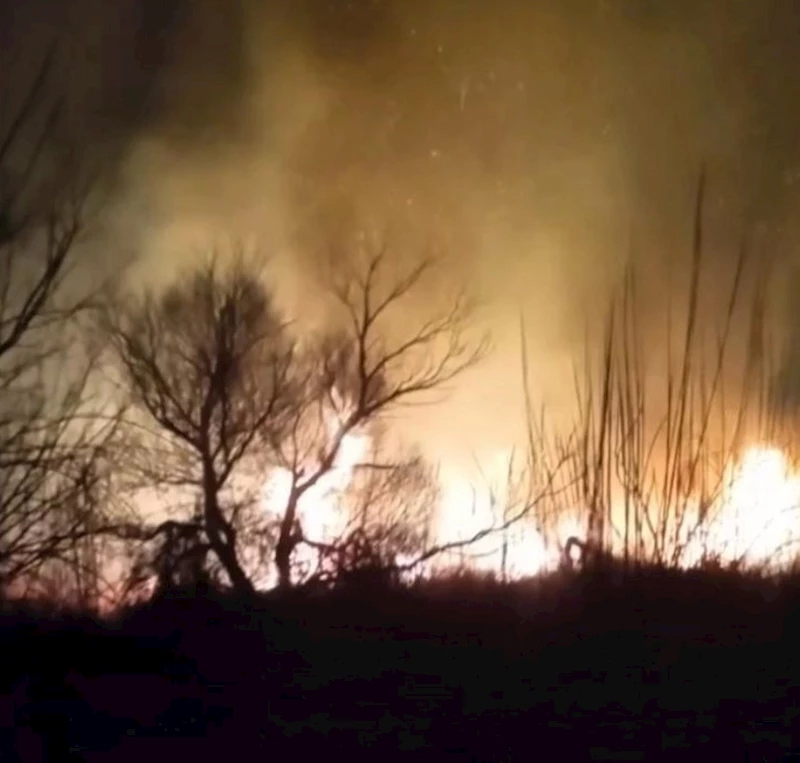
320 511
755 518
516 551
758 521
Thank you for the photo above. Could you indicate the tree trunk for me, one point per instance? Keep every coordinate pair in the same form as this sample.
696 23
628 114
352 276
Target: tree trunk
287 542
222 538
239 580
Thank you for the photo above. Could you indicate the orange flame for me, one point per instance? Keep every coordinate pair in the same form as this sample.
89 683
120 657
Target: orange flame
755 518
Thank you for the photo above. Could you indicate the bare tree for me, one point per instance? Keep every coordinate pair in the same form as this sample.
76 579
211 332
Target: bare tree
50 452
219 389
206 367
355 378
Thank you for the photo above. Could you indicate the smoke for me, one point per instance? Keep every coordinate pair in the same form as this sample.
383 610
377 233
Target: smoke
540 145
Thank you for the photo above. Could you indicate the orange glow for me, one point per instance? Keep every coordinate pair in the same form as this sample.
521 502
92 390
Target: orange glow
519 551
464 511
754 520
320 511
757 519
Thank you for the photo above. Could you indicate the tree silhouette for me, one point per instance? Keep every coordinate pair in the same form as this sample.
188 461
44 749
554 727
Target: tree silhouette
358 376
50 453
223 395
205 366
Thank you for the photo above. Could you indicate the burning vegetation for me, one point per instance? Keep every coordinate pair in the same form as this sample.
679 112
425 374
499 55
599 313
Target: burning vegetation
188 460
230 447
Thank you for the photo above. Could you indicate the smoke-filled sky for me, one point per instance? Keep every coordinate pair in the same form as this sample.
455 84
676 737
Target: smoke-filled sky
539 144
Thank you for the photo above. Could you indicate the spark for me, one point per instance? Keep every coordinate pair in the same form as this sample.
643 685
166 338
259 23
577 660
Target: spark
463 93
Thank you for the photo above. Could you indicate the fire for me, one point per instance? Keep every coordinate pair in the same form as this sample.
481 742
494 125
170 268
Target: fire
758 521
755 518
464 512
320 511
517 551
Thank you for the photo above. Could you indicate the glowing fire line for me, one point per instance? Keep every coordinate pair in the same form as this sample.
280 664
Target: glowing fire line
755 519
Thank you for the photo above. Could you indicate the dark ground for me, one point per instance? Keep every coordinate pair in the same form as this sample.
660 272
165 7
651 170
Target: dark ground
661 667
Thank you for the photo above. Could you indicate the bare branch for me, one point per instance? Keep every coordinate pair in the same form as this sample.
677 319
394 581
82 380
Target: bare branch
207 365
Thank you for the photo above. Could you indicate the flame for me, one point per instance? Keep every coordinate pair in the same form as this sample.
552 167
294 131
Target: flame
758 518
516 551
755 518
320 511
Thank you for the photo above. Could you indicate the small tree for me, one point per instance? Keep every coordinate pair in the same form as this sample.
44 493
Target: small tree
206 366
350 381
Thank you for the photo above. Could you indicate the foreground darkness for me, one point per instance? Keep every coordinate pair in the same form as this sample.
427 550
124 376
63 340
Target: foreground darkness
662 666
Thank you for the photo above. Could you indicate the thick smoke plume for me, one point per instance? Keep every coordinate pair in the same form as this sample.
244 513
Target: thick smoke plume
541 146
